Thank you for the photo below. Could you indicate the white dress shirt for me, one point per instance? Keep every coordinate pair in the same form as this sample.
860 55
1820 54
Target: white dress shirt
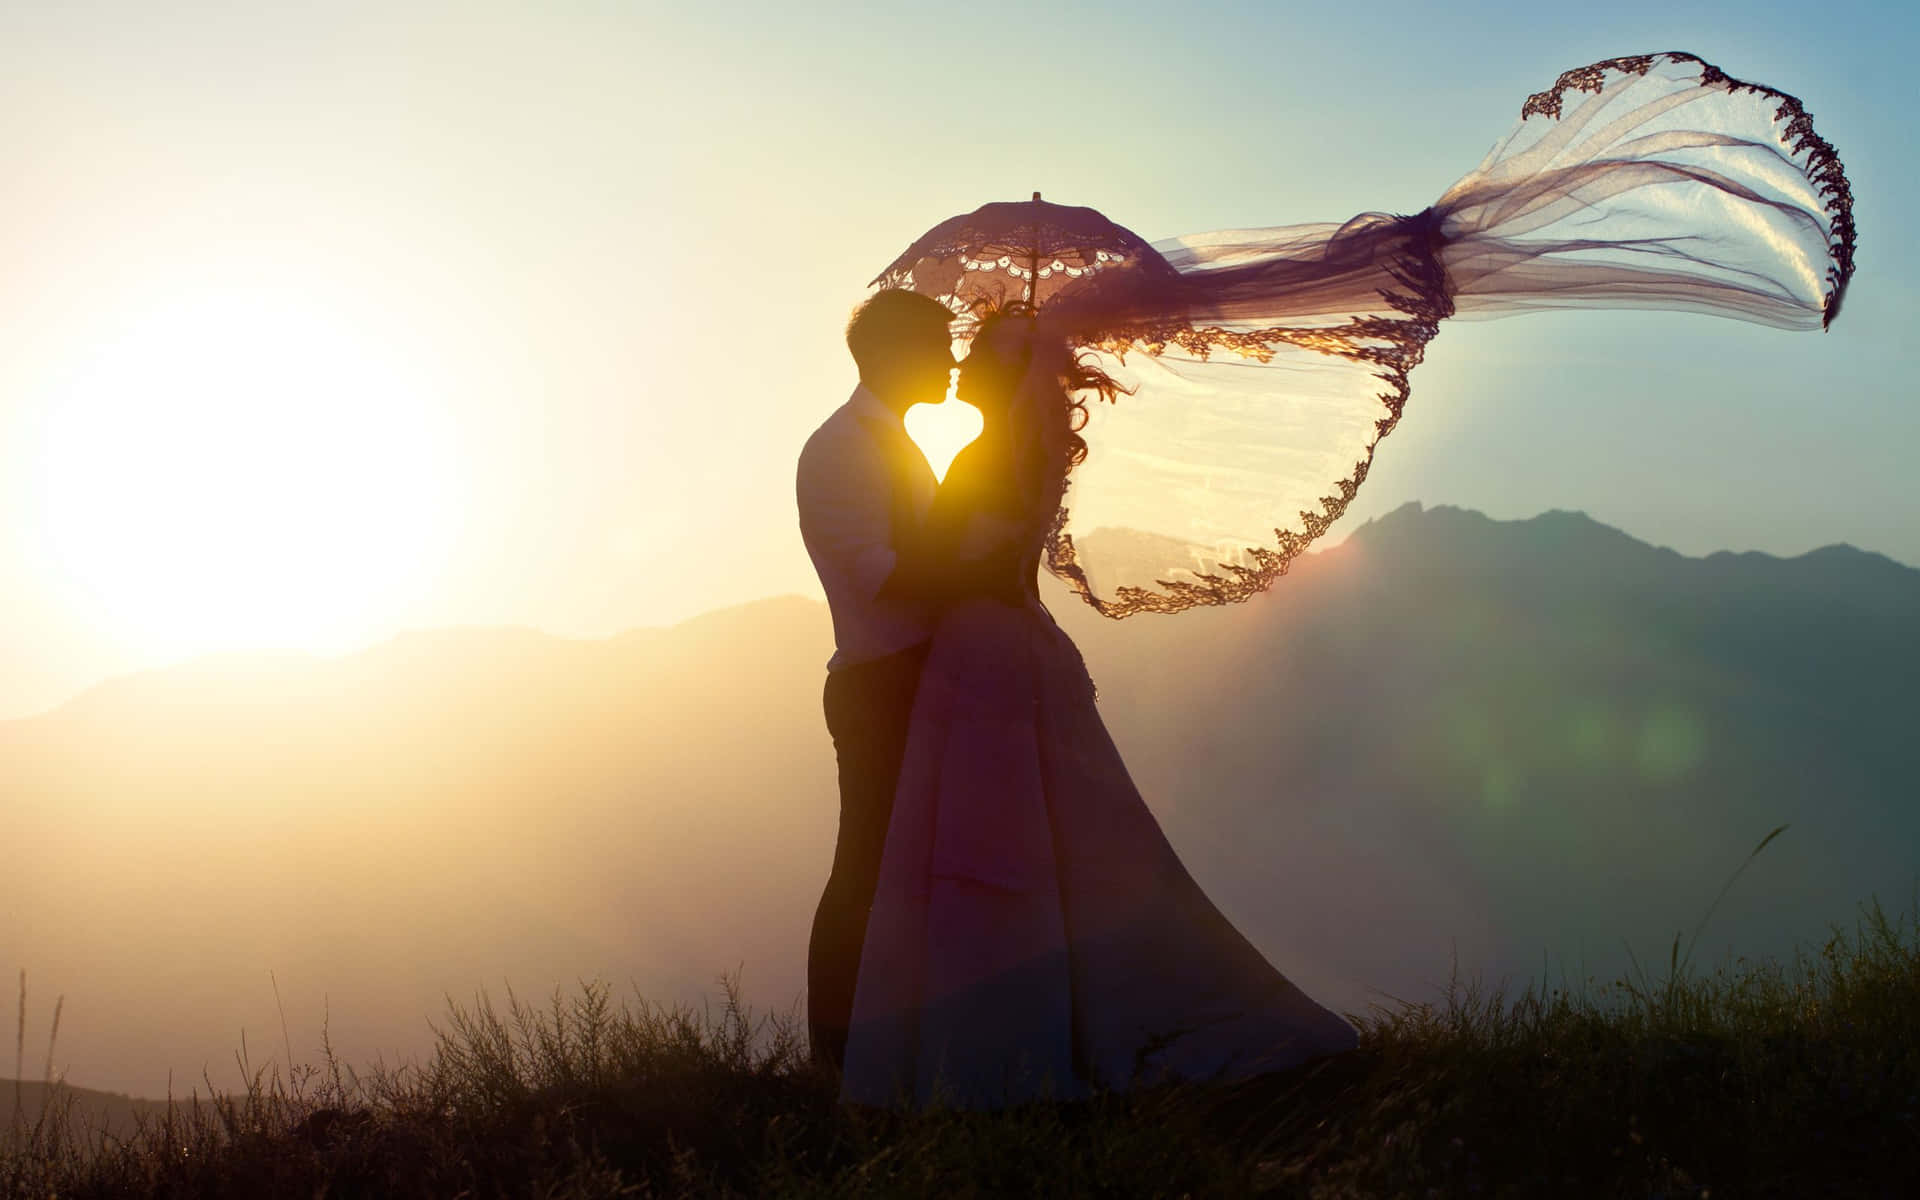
859 473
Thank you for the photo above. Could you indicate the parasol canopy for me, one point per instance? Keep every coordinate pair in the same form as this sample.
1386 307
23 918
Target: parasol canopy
1030 250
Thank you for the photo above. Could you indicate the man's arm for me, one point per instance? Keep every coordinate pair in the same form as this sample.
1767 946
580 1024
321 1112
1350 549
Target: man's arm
923 572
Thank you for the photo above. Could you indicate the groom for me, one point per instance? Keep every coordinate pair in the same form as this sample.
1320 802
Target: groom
863 489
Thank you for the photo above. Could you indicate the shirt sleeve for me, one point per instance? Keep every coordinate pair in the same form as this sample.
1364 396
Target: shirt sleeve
846 516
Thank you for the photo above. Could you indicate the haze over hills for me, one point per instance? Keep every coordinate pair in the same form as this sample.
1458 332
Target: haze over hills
88 1111
1446 734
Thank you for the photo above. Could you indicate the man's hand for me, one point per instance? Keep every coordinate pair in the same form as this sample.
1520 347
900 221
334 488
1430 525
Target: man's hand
924 577
997 574
918 577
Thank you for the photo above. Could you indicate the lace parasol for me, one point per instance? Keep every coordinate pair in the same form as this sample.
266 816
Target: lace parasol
1034 248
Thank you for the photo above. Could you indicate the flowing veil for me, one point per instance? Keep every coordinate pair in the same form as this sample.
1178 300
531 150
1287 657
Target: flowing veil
1263 366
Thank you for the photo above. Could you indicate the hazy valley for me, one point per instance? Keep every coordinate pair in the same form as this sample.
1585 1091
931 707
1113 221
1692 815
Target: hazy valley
1448 735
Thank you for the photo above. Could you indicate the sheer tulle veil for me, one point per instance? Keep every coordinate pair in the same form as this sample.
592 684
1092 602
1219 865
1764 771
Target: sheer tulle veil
1261 367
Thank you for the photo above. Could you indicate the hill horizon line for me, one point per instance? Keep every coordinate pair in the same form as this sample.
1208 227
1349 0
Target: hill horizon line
441 636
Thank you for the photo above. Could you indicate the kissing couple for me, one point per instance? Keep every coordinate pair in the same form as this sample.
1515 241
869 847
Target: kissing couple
1004 920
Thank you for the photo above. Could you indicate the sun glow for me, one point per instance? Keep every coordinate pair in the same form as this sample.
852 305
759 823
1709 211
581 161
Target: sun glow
240 470
943 430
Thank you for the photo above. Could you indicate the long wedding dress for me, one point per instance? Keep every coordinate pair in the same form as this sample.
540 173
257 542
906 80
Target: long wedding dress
1033 934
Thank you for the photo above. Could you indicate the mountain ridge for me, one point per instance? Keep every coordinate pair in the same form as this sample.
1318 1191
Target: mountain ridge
1380 531
1579 521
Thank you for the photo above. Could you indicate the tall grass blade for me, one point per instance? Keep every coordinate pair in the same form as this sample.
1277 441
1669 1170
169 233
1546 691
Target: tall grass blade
1728 886
52 1039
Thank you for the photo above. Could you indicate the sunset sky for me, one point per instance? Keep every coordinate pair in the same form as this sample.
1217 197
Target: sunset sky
321 323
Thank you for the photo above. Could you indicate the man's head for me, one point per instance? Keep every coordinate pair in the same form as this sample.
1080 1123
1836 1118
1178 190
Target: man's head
904 351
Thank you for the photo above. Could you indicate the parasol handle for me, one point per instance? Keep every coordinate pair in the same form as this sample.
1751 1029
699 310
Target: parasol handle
1033 267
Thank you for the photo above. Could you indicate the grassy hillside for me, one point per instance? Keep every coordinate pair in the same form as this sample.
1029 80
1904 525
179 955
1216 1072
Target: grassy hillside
1763 1079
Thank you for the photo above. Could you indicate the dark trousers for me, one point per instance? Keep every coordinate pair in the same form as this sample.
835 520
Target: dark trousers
868 707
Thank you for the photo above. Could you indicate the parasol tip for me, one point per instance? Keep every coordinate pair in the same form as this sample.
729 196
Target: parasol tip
1036 195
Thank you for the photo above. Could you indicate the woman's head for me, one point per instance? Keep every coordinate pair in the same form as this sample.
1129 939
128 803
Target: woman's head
997 359
1000 357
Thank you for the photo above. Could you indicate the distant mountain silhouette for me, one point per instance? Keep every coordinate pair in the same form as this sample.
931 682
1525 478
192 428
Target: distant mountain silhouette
1539 734
91 1112
1447 735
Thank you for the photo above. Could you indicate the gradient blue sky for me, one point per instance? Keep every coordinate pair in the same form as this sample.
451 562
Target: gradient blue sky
586 267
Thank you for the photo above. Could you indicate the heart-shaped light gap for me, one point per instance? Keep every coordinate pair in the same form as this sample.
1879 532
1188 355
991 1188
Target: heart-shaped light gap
943 430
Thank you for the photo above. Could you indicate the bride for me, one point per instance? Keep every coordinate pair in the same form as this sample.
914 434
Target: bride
1033 934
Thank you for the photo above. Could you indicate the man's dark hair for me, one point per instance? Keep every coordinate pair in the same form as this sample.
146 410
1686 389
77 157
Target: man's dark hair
886 320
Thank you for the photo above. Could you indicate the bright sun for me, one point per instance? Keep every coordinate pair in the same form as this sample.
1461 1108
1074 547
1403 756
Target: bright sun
239 470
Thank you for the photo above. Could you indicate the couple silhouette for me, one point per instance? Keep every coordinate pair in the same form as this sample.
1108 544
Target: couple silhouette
1004 919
